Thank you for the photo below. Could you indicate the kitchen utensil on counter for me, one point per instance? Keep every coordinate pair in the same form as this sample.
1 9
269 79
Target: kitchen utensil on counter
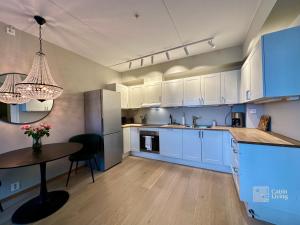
264 123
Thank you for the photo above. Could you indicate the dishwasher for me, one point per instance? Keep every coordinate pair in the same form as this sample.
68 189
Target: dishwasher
149 141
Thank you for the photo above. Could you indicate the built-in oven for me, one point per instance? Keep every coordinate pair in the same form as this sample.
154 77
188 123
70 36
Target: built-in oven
149 141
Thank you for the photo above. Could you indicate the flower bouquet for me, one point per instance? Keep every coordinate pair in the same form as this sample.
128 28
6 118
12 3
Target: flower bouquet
37 133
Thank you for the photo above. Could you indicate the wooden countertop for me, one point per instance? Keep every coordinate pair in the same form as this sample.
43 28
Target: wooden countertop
241 135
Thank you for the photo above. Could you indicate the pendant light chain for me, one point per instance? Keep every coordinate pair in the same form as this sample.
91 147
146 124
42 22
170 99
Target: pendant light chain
41 47
41 52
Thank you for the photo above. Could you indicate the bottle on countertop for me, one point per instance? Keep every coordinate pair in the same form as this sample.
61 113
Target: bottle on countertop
214 123
183 119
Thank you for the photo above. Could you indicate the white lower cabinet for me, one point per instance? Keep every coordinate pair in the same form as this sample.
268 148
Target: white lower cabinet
192 142
134 139
126 140
212 147
170 142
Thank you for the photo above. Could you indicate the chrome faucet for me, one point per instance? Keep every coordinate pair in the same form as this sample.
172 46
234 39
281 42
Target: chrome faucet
195 118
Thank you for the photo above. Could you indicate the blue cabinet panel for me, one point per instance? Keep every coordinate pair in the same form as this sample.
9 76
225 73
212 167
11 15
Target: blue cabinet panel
270 180
281 60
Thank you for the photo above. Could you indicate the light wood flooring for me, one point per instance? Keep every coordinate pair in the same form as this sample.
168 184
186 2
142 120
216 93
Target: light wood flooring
141 191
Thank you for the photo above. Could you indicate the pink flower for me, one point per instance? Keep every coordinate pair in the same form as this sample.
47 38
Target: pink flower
45 125
25 127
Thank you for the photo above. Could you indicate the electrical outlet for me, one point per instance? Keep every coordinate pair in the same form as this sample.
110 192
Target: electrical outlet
11 30
14 186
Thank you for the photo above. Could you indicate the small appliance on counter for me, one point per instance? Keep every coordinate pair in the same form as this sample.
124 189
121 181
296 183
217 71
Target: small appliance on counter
238 119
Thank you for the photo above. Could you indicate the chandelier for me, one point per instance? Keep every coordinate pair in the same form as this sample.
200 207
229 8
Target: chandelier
8 93
39 83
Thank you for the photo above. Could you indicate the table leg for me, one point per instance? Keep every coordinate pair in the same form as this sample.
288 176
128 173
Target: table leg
41 206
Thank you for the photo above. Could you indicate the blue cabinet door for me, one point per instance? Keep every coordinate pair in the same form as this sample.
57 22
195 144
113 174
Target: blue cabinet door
281 60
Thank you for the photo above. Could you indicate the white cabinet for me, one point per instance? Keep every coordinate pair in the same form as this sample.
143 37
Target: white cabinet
37 106
252 77
123 90
134 139
192 91
126 140
211 89
170 142
172 93
135 96
212 147
256 78
191 145
229 87
245 82
152 94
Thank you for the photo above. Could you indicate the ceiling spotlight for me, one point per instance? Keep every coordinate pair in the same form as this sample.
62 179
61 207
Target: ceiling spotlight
168 55
186 51
152 59
142 61
130 63
210 42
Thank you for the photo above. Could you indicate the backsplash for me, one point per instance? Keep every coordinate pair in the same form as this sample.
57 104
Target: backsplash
207 114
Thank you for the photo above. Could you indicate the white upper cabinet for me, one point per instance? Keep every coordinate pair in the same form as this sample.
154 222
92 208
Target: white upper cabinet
230 87
256 77
192 91
152 94
212 147
123 90
124 95
252 77
245 82
211 89
191 140
135 96
170 142
172 93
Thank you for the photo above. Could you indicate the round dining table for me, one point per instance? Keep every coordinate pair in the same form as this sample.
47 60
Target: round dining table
46 203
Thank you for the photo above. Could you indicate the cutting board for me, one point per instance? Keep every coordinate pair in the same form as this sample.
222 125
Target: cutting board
264 123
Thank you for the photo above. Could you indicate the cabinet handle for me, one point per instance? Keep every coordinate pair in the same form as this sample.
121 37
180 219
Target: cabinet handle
199 134
202 134
234 151
248 95
202 100
236 170
233 142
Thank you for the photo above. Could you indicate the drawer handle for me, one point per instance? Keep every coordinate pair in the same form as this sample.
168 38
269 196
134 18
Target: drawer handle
234 151
236 170
233 142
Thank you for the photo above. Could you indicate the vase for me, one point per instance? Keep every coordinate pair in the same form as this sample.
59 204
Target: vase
37 144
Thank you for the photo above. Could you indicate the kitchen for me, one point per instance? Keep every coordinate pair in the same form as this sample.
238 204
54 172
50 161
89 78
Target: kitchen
164 112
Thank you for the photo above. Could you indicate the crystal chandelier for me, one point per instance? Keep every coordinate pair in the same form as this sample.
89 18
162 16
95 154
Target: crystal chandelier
39 83
8 93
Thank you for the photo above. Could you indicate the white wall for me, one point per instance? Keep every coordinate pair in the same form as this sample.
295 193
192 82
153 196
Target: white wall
74 73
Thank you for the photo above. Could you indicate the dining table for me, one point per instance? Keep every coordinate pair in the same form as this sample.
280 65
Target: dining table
46 203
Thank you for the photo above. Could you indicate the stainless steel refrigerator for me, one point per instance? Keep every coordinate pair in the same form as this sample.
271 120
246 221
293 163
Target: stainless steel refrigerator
103 116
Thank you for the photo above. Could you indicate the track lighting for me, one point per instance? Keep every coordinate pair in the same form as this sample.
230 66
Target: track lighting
167 52
210 42
168 55
186 51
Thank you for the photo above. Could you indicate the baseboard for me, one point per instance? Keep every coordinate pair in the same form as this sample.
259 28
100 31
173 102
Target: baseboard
218 168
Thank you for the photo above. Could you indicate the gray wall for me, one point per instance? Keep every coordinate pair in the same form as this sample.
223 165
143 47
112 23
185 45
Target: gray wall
74 73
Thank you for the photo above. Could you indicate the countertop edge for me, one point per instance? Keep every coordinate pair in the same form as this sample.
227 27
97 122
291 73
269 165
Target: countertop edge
292 142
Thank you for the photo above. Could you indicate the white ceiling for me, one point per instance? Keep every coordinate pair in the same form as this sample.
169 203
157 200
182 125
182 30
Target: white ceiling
107 32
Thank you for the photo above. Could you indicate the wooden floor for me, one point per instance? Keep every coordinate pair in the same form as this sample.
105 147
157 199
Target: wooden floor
141 191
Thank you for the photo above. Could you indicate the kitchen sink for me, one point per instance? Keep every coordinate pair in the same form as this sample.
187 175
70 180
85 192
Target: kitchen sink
200 126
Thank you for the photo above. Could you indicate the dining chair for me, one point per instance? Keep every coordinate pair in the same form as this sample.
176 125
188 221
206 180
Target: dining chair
92 144
1 208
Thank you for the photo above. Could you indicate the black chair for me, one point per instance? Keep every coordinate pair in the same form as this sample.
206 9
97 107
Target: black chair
1 208
92 144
